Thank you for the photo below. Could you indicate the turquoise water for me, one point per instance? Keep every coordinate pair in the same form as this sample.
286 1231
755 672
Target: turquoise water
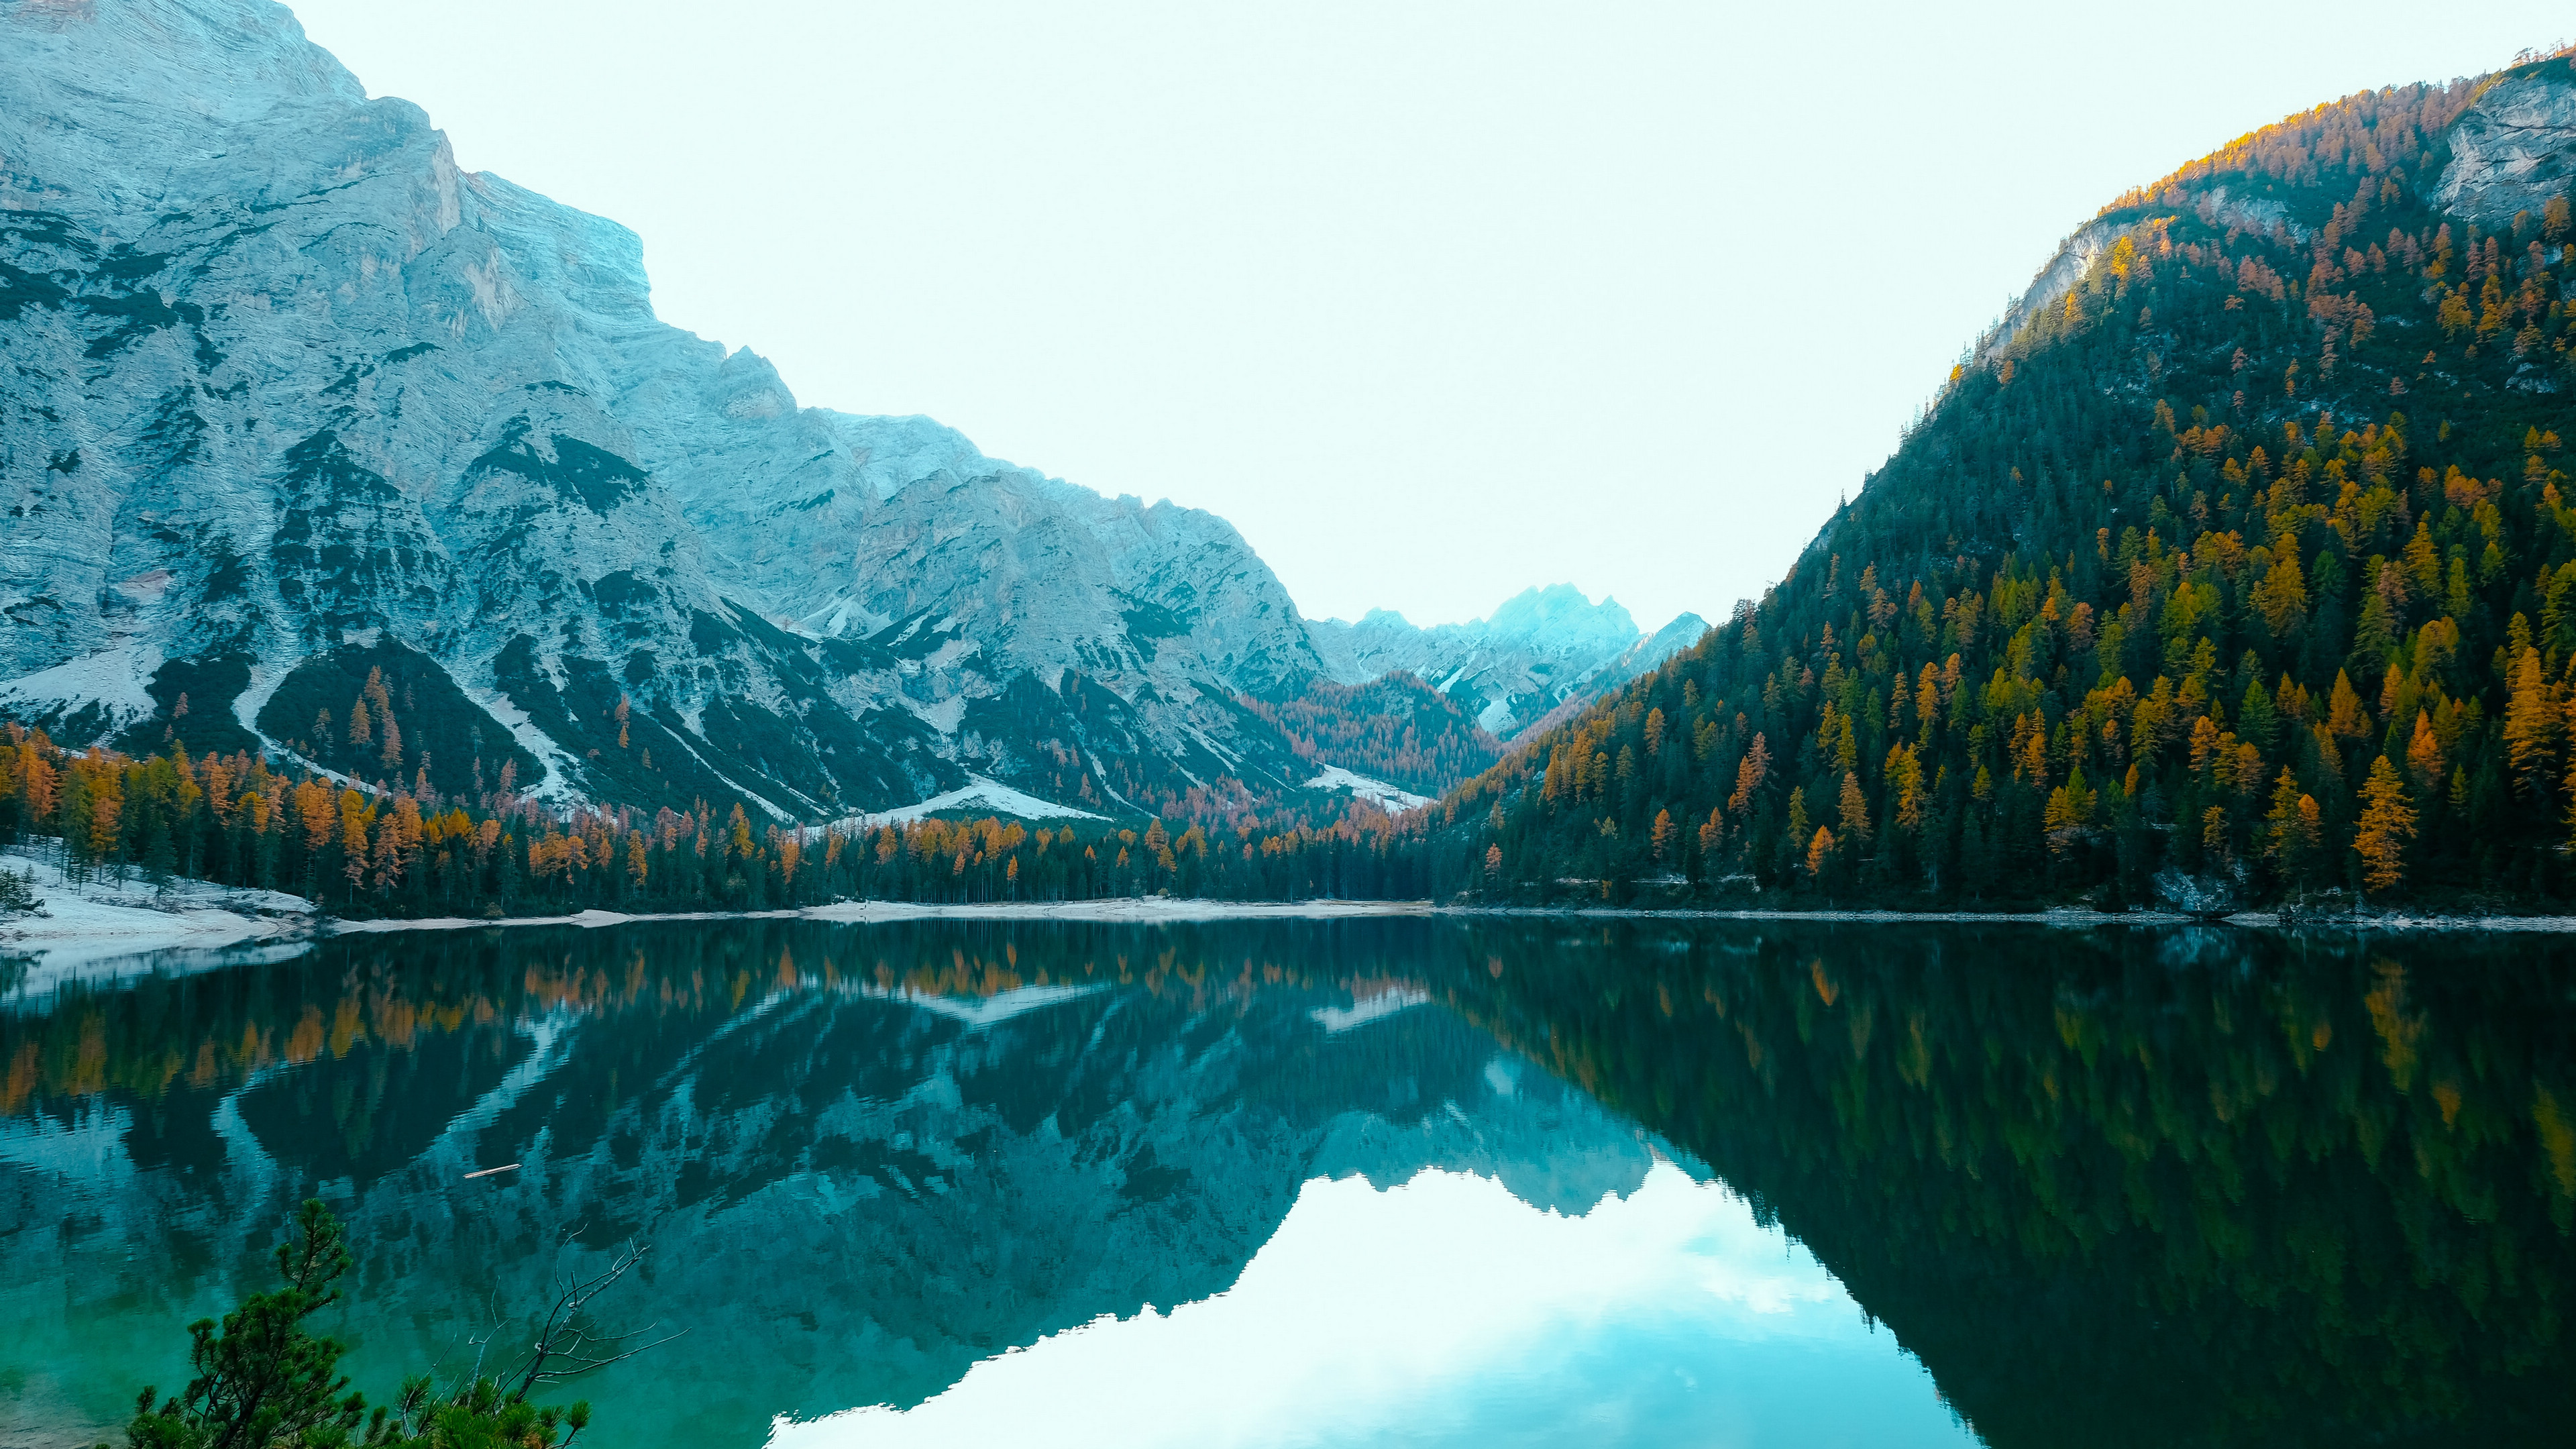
1362 1182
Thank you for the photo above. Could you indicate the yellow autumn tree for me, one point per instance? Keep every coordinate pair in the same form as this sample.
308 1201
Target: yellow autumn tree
1905 777
2294 825
2070 807
2387 824
2424 753
1749 775
1853 808
2282 597
2345 718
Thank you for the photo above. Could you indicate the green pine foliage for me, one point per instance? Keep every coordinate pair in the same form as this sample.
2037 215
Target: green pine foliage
384 713
262 1377
265 1380
2249 558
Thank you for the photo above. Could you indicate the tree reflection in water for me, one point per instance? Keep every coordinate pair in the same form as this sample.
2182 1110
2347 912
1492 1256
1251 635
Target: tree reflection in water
2122 1187
2112 1187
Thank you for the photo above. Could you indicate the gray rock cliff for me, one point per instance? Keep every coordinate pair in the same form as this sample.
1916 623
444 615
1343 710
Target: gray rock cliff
292 397
2514 148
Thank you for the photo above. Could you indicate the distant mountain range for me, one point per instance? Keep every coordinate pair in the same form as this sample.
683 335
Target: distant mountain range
295 402
1540 652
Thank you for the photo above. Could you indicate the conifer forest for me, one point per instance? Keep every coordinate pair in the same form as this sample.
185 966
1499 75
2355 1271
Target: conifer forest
2240 568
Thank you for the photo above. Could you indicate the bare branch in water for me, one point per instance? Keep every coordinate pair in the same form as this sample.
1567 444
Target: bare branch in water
570 1343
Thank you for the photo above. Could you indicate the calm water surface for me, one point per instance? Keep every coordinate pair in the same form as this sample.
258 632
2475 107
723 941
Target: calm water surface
1365 1182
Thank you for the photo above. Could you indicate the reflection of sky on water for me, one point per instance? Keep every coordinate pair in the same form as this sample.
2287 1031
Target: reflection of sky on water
1448 1311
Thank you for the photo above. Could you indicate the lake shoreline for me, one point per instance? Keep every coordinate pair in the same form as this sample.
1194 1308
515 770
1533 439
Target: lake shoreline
131 932
1153 910
2055 916
1115 909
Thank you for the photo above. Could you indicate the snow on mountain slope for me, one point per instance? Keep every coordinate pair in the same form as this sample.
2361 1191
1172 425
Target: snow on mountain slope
294 398
1540 651
977 796
1386 797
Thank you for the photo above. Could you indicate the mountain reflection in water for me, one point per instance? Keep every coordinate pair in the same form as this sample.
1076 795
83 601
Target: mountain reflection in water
1441 1181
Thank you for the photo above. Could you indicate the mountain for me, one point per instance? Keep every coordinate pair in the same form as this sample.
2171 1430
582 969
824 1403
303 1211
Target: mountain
1542 650
296 403
2236 564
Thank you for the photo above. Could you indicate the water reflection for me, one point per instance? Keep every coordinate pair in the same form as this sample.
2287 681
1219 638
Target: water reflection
2121 1187
1446 1311
2128 1187
868 1158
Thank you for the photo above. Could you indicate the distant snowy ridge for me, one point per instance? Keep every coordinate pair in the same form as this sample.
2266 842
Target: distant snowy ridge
1540 650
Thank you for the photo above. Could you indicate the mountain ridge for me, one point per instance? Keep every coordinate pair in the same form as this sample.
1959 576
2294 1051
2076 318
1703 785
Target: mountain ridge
1539 650
300 398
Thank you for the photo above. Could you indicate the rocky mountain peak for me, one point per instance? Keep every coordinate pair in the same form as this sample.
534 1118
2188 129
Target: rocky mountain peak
1561 617
276 352
1540 652
294 400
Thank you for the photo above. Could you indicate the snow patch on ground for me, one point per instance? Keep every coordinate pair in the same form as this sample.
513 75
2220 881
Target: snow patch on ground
557 787
1387 797
754 796
947 655
113 679
265 677
977 794
112 915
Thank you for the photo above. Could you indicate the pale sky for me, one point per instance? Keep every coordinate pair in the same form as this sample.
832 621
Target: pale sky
1434 302
1445 1311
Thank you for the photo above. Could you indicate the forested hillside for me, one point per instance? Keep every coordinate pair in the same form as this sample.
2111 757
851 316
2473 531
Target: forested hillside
2241 556
1395 728
418 851
2238 564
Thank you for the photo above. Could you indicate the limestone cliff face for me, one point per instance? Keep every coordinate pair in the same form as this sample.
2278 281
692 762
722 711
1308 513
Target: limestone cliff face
287 384
2514 148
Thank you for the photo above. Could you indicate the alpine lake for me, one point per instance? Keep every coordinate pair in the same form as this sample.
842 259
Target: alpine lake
1417 1181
